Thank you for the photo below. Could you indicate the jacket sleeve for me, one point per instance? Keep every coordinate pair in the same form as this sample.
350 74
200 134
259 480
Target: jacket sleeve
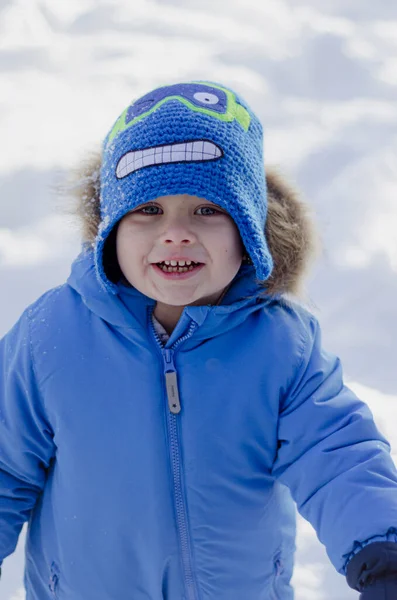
26 439
332 457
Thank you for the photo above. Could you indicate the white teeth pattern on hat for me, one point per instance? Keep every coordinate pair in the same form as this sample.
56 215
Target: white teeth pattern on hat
200 150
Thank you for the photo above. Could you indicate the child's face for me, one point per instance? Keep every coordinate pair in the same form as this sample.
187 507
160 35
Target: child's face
179 227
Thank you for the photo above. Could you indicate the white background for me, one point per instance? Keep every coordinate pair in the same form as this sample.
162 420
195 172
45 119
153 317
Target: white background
321 75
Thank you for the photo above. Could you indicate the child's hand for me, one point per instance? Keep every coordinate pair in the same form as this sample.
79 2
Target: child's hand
373 571
384 588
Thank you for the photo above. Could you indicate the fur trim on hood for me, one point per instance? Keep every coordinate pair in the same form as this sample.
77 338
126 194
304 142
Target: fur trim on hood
290 229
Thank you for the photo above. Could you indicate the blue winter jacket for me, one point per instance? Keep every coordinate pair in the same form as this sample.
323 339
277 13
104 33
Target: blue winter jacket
151 473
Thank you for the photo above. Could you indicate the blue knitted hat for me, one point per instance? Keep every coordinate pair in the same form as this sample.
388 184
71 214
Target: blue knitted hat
198 138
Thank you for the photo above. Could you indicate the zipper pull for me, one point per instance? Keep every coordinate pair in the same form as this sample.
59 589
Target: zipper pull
171 382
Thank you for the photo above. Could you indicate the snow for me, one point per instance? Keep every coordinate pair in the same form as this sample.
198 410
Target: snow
321 75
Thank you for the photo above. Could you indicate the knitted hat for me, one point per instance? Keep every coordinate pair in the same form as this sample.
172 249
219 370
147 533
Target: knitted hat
198 138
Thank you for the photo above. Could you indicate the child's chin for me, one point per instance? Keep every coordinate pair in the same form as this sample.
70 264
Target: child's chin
177 301
182 299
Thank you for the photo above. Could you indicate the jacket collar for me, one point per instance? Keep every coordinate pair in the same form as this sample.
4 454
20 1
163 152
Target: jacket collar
129 308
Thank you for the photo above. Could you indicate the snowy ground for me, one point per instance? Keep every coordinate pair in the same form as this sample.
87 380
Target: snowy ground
322 76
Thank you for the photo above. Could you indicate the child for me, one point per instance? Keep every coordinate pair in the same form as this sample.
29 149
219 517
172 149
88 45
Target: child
153 416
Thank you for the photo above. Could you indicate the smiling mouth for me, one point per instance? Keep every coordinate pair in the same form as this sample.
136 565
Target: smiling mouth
193 151
178 268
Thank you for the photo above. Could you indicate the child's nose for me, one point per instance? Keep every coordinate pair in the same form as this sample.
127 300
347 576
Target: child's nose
178 231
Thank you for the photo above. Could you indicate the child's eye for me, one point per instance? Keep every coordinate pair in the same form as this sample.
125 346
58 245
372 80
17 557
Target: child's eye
214 211
147 210
148 207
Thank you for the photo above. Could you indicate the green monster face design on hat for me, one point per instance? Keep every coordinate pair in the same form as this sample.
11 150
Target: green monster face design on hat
217 102
197 138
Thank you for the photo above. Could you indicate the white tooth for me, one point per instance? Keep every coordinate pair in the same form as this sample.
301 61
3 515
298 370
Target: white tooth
158 156
178 147
166 157
148 157
189 150
167 262
188 262
173 263
148 160
125 165
197 153
178 152
176 156
181 263
209 149
198 146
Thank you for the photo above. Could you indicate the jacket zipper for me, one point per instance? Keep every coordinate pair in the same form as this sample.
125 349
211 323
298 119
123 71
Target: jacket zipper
171 384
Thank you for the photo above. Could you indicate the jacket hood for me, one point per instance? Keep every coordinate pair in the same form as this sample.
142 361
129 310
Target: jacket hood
129 308
290 229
